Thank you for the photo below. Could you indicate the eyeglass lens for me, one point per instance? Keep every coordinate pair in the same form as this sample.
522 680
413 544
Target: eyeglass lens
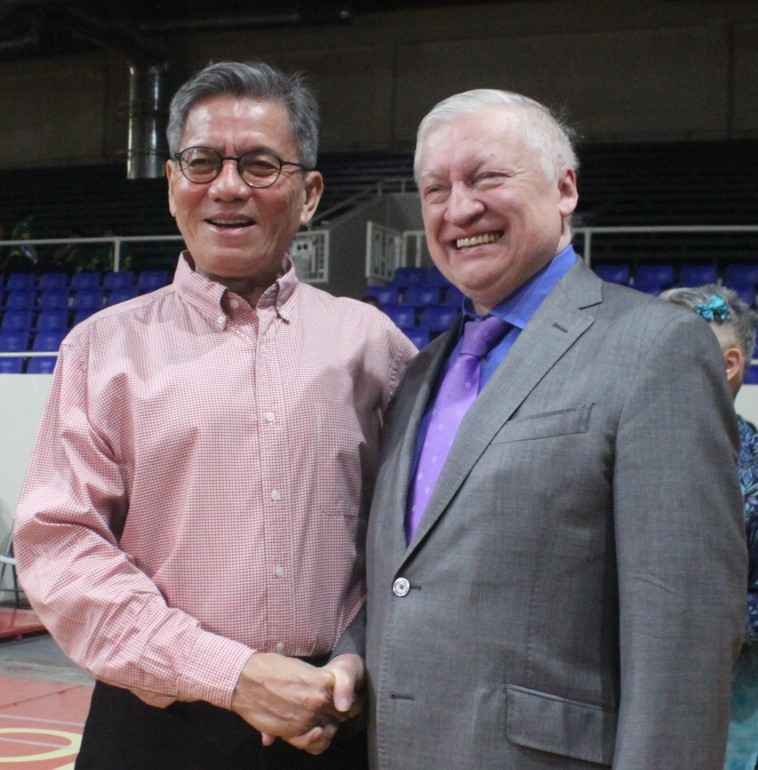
258 169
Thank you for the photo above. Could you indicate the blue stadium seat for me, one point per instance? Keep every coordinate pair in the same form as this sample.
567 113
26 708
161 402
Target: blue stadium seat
384 295
453 297
48 340
613 272
52 320
17 320
80 315
649 287
404 316
408 276
41 365
118 280
54 299
87 279
438 318
14 342
21 299
19 281
697 274
88 299
149 280
122 293
741 274
745 291
435 278
52 280
659 273
421 296
11 365
419 337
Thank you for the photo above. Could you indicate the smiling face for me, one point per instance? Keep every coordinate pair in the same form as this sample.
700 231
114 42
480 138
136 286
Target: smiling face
236 234
492 216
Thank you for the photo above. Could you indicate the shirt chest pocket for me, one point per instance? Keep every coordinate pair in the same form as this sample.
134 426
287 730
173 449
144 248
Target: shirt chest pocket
558 422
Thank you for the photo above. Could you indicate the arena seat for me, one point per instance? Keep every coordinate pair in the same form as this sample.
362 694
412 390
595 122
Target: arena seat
17 320
52 320
438 318
14 341
52 280
48 340
20 299
87 279
419 295
612 272
41 365
697 275
11 365
404 316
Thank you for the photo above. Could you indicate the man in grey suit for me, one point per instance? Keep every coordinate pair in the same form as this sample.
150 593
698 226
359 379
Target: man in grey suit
571 593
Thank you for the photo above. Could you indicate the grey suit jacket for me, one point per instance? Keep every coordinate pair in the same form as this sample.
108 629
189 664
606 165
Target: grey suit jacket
574 595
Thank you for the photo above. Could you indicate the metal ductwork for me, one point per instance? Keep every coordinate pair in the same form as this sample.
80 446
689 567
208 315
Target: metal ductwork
147 149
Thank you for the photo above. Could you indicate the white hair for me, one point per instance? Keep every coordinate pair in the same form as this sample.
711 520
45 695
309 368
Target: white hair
542 130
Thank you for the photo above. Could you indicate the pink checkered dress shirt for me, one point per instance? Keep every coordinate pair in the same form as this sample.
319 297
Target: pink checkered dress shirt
198 485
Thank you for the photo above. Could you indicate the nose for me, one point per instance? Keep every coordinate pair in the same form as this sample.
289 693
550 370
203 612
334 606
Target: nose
463 205
228 185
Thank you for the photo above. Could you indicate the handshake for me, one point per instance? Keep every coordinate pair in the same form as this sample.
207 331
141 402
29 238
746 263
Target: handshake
287 698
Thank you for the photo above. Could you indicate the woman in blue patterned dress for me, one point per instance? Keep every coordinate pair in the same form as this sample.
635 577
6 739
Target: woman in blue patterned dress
734 324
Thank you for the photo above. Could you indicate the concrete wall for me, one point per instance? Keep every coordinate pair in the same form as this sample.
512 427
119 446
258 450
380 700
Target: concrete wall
646 71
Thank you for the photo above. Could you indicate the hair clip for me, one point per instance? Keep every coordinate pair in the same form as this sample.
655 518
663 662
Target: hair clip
715 309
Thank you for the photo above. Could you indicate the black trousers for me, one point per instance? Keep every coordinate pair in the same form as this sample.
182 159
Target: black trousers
123 733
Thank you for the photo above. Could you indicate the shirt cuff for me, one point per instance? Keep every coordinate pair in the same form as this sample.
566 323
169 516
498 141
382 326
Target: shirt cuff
213 669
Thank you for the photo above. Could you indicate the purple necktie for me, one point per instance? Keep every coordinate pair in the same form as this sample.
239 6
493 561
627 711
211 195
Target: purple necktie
456 393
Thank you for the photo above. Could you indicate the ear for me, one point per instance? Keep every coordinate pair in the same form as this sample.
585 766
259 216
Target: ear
170 171
314 187
735 368
567 189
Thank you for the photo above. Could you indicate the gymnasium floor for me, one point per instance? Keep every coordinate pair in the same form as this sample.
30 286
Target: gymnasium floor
44 698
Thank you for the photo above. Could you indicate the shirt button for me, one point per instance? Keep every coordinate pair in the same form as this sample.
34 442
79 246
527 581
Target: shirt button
276 495
270 416
263 348
221 320
279 570
401 587
279 647
234 303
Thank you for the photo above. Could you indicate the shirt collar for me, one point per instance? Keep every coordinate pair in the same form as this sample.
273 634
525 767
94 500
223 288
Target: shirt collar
518 307
209 295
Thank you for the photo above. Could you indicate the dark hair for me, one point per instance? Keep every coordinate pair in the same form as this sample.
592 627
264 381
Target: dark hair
254 80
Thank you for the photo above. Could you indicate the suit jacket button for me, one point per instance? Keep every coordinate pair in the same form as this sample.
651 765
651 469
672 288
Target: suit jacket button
401 587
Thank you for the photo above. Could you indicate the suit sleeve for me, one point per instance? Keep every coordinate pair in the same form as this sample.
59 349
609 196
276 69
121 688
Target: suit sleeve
681 554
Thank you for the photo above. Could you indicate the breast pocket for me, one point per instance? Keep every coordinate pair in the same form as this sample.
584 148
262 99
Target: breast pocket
558 422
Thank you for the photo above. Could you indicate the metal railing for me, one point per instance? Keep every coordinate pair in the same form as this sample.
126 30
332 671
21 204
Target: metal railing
388 249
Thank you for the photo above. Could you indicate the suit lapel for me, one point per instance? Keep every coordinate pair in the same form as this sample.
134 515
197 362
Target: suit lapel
557 324
419 383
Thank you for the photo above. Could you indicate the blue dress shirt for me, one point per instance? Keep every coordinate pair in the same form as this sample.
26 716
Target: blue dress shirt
517 310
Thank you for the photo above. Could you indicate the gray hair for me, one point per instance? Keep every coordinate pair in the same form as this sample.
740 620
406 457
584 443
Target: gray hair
739 325
542 130
252 80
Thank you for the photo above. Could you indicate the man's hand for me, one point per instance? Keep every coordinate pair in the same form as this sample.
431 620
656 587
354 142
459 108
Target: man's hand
347 699
285 697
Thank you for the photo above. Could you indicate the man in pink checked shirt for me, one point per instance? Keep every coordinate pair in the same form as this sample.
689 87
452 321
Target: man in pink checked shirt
190 529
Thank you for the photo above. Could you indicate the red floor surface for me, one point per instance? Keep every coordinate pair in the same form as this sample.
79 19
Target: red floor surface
15 623
41 723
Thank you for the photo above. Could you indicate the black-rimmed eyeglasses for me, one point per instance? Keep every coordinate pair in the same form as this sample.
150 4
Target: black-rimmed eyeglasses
257 168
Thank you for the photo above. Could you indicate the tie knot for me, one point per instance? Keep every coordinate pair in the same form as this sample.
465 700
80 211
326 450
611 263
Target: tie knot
479 337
